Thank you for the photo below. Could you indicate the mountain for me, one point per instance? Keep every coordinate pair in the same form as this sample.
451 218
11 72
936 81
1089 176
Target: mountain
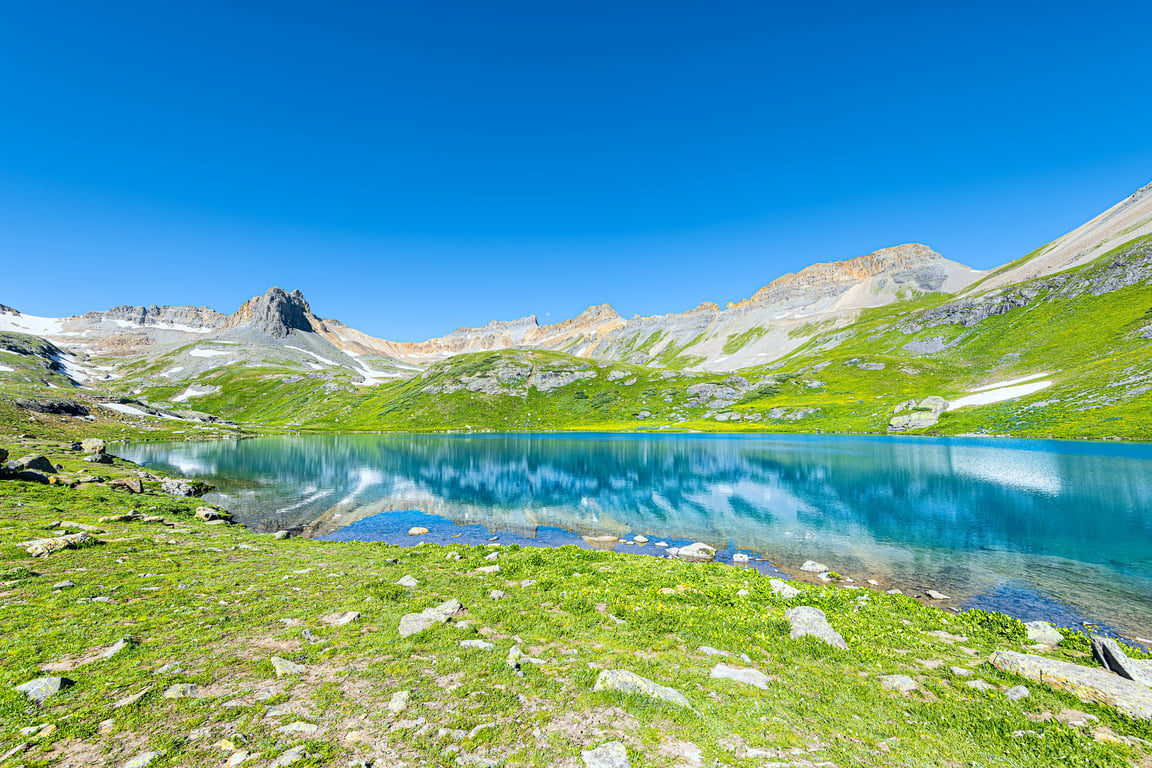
1055 343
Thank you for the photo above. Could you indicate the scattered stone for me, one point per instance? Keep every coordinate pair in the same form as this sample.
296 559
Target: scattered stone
282 535
784 590
418 531
182 691
299 726
894 592
740 557
408 581
1043 632
285 667
629 682
1088 683
811 622
142 761
488 570
98 458
1017 692
980 685
412 623
961 671
340 618
937 595
493 556
482 645
292 756
661 544
742 593
131 699
34 462
45 547
64 584
207 514
180 488
744 675
399 702
497 594
697 553
93 445
610 755
40 689
514 656
640 539
901 683
527 583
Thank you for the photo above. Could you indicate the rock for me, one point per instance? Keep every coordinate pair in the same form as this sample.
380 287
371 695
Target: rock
741 675
408 581
527 583
1043 632
661 544
115 648
131 699
417 531
742 593
697 553
640 539
610 755
399 702
45 547
34 462
182 691
291 757
811 566
98 458
3 458
130 484
901 683
207 513
42 688
787 591
740 557
1109 653
412 623
980 685
340 618
282 535
285 667
514 656
93 445
488 570
497 594
1087 683
64 584
299 726
960 671
629 682
481 645
1016 693
179 488
493 556
811 622
673 551
141 761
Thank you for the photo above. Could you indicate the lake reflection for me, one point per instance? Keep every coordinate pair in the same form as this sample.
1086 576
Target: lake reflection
1055 529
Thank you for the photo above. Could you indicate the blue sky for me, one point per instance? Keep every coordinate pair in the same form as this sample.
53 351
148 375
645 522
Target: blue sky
413 167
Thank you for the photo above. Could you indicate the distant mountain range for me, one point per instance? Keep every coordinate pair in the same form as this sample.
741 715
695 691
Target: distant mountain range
169 355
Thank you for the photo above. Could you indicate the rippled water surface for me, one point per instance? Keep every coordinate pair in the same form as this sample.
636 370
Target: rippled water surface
1039 529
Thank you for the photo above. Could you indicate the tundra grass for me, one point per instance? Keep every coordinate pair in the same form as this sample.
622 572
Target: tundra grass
210 605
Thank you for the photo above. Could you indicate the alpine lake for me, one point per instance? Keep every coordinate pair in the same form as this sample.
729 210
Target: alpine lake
1053 530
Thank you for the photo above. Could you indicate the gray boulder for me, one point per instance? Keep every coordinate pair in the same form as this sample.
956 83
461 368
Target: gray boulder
807 621
744 675
93 445
1109 653
413 623
901 683
629 682
285 667
610 755
45 547
1043 632
1087 683
32 461
697 553
42 688
783 589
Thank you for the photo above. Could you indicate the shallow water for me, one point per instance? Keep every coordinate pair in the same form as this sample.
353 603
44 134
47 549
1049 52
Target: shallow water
1038 529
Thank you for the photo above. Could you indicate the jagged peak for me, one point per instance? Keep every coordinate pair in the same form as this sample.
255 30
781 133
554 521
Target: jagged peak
598 312
497 326
276 313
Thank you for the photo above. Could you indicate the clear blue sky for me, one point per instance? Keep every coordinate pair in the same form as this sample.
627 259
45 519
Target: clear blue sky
415 166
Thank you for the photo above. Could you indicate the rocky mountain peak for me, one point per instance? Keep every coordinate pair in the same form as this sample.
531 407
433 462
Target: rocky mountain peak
276 313
898 258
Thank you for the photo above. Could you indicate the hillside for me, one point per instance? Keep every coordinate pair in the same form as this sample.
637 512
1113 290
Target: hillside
900 340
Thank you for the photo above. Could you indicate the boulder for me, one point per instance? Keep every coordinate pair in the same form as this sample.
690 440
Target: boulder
93 445
99 458
407 581
285 667
33 461
130 484
417 531
413 623
784 590
178 488
182 691
1043 632
901 683
42 688
207 513
1109 653
45 547
807 621
740 557
610 755
811 566
143 760
697 553
629 682
744 675
1016 693
1087 683
340 618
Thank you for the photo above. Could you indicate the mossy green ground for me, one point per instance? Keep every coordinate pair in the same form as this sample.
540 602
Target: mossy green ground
220 601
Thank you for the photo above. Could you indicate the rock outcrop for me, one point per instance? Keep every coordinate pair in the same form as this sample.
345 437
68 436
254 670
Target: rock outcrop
277 313
1087 683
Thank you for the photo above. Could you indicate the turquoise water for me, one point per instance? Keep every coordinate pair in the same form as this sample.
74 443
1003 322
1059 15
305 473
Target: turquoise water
1039 529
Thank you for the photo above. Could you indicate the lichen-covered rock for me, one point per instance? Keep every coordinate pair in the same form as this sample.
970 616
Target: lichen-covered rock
629 682
807 621
285 667
45 547
42 688
93 445
1087 683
